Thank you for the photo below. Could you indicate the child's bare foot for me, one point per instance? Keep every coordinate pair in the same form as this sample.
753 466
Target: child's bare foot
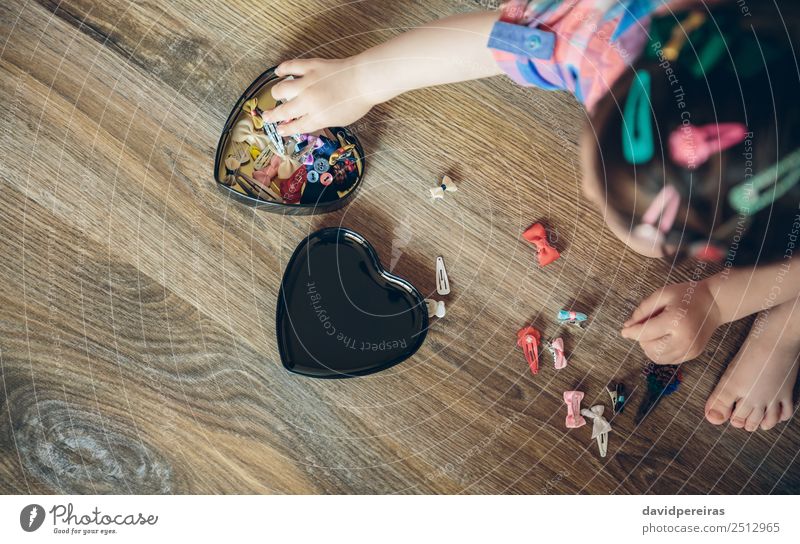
756 389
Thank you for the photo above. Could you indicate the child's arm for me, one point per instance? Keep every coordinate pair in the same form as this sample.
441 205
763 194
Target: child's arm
674 324
338 92
740 293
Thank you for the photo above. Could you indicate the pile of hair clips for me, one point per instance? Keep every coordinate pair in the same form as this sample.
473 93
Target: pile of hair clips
302 169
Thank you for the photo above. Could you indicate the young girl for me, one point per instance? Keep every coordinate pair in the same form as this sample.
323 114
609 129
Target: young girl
691 150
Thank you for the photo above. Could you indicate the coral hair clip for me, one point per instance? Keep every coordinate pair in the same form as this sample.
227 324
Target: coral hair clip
538 237
528 339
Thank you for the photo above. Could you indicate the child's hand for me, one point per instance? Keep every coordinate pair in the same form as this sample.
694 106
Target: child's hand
674 324
324 93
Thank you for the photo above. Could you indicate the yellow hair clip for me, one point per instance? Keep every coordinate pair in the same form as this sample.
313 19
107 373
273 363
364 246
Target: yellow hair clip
680 34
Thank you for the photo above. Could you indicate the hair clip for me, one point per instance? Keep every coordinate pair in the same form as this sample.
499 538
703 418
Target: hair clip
600 427
753 195
344 151
680 34
263 159
537 235
442 281
618 397
573 400
446 185
556 347
270 129
303 154
691 146
638 145
709 53
568 317
435 308
709 252
660 216
528 339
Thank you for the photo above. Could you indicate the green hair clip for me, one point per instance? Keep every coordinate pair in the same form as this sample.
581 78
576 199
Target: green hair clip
637 128
753 195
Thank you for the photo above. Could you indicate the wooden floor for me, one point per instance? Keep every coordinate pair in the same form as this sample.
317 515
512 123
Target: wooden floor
137 344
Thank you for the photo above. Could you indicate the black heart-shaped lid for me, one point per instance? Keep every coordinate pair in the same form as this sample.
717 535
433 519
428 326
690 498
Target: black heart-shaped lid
340 314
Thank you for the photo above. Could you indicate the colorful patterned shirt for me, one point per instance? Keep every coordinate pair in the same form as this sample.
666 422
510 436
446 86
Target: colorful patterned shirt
582 46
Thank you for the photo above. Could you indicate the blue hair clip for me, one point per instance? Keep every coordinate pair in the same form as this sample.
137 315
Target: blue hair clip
638 145
753 195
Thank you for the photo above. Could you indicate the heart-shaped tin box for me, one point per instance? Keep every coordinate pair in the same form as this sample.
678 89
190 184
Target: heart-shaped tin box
340 314
304 174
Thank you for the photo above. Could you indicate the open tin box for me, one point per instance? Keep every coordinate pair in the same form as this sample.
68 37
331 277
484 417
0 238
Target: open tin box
339 313
313 173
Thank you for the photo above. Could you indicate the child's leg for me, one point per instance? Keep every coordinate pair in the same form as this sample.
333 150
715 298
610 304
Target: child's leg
756 389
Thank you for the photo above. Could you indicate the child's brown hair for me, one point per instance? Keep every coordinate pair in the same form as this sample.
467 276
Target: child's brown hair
711 67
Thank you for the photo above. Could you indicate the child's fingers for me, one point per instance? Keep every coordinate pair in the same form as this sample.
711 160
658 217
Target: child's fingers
287 89
303 125
285 112
661 352
649 330
647 308
294 67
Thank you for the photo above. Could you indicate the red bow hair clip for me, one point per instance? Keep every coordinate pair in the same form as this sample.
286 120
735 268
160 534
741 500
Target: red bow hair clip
538 237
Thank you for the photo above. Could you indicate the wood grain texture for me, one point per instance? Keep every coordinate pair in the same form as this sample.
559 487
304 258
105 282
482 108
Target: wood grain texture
137 348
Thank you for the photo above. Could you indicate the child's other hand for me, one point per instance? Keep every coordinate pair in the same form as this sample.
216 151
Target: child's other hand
324 93
674 324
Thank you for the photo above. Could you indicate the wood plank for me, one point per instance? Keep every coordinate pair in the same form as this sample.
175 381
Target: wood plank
137 347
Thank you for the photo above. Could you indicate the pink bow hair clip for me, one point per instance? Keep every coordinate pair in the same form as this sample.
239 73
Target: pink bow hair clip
538 237
556 347
573 400
691 146
600 427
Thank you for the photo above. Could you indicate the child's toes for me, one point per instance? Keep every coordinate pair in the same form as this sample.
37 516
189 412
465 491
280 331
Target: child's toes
786 410
754 419
720 406
739 417
771 417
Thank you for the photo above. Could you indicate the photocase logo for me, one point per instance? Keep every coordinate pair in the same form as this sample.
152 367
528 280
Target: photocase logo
31 517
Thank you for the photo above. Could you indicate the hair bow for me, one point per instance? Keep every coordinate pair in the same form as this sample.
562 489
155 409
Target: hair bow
446 185
435 308
251 107
691 146
528 339
266 175
233 162
556 347
538 237
243 131
600 427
